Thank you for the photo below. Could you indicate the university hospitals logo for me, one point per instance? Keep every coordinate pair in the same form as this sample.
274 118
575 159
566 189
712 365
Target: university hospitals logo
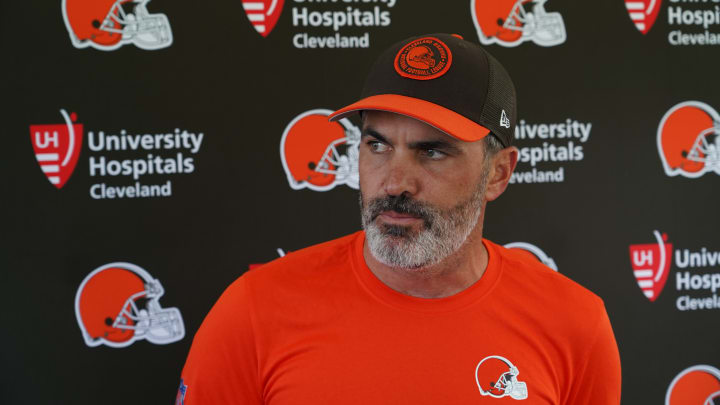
109 24
547 149
323 23
689 22
509 23
651 265
118 304
116 157
263 14
693 23
688 140
696 272
643 13
695 385
319 154
57 147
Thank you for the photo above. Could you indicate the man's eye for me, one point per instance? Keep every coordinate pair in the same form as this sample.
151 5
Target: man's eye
377 146
434 154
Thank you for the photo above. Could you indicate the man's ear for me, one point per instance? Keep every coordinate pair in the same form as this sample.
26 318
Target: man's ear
501 169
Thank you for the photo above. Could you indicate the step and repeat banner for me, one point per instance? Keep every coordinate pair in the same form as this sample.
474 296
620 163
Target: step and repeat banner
156 150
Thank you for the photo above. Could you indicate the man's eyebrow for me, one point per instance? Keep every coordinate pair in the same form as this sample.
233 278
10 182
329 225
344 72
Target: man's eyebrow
421 145
438 144
367 131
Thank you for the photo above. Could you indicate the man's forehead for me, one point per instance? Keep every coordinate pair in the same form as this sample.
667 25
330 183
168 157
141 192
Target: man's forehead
383 122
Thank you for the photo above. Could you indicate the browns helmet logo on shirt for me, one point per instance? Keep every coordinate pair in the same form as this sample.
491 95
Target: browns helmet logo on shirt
423 59
319 154
263 14
688 141
643 13
651 265
109 24
57 148
695 385
118 304
496 377
512 22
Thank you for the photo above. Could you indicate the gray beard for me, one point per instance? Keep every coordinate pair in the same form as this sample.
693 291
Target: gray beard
443 232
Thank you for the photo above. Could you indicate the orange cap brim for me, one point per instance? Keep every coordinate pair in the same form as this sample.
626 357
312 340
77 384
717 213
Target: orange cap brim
439 117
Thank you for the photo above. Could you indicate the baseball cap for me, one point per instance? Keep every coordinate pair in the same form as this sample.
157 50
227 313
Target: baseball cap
445 81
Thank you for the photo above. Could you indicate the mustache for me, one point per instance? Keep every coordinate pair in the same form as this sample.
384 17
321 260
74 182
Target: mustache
401 204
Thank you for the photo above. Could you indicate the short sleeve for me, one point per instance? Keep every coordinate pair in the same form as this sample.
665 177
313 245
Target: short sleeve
599 379
222 366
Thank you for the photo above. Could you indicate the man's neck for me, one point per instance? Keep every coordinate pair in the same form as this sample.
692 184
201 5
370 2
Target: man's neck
452 275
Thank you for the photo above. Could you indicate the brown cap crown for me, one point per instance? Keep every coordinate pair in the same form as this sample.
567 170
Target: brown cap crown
445 81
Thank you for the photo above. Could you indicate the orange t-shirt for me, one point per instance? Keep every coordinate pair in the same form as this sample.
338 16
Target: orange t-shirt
317 327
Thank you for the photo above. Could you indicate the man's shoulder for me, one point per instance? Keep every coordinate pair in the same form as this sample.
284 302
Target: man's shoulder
307 262
302 285
544 284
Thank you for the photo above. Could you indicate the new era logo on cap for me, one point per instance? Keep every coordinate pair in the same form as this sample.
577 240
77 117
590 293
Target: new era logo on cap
504 120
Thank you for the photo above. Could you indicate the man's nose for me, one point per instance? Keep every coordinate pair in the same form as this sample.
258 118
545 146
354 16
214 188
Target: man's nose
402 175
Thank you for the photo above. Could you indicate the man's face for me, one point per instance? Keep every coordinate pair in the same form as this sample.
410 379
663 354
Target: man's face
421 191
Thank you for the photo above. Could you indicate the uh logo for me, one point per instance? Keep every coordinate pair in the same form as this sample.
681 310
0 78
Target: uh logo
643 13
57 147
651 265
263 14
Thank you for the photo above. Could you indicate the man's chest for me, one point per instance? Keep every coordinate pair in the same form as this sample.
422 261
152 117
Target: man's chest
417 361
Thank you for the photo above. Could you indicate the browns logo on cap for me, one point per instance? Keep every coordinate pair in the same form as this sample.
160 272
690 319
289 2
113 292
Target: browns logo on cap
423 59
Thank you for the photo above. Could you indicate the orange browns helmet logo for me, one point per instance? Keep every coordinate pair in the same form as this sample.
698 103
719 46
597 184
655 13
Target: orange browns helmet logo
109 24
688 141
509 23
263 14
118 304
423 59
496 377
319 154
643 13
695 385
57 148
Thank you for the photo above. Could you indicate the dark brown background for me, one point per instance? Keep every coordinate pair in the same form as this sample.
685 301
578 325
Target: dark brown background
221 78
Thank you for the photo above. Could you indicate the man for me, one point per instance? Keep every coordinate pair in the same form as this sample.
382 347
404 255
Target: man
418 308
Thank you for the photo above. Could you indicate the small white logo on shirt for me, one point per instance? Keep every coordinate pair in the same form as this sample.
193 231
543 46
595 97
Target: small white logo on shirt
504 120
496 377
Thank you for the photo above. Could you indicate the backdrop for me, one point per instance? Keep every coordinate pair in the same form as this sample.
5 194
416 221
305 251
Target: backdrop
157 150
